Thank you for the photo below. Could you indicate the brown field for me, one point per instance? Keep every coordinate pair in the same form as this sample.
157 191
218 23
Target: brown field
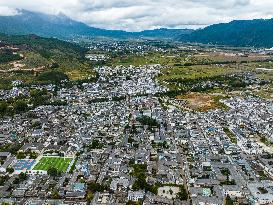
201 102
220 56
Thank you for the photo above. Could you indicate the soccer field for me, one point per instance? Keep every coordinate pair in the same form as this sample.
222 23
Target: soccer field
60 163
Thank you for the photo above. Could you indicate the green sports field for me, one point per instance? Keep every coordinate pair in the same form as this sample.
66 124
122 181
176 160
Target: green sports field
60 163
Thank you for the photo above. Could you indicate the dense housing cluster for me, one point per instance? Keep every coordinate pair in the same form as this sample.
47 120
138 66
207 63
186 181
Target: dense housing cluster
132 137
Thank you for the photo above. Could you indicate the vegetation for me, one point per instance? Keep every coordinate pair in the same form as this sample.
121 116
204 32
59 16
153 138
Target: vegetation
140 183
230 135
16 106
46 60
182 194
52 171
262 190
73 167
228 182
89 196
149 121
21 177
229 201
4 203
23 104
54 77
201 83
11 147
262 175
266 141
10 170
163 145
95 187
8 55
53 164
54 194
96 144
30 154
225 171
3 180
236 33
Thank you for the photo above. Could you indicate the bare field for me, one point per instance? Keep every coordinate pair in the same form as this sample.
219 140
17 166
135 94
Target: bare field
201 102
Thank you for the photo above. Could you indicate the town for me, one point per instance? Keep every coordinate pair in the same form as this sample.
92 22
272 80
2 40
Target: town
123 140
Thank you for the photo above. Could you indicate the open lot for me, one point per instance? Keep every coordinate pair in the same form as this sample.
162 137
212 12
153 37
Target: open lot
201 102
60 163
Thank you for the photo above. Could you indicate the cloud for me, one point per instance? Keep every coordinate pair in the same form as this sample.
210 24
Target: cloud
6 11
146 14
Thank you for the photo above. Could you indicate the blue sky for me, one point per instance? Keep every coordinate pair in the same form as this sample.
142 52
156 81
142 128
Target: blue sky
135 15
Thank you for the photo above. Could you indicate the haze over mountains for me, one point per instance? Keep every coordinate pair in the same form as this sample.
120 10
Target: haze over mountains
63 27
256 33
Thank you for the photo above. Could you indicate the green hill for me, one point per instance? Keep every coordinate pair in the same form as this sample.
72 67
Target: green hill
42 55
257 33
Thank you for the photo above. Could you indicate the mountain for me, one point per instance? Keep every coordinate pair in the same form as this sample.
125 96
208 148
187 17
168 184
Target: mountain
164 33
44 25
60 26
257 33
50 57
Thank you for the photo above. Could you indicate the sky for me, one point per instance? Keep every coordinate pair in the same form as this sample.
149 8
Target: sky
137 15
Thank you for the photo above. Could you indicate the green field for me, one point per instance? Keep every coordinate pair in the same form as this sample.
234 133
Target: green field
60 163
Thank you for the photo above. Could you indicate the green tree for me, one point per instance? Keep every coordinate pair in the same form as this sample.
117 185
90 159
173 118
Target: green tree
54 76
33 155
20 106
21 155
3 108
54 194
89 196
228 201
4 203
3 180
22 176
52 171
96 145
10 170
182 194
95 187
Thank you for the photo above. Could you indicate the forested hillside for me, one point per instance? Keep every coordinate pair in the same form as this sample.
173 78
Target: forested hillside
257 33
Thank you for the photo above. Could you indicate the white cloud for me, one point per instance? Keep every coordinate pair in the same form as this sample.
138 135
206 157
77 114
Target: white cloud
147 14
6 11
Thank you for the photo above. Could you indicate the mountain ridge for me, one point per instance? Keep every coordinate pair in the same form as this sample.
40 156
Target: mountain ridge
61 26
256 33
253 33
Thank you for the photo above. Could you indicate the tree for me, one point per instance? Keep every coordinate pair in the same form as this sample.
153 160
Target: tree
20 106
3 108
54 194
10 170
96 145
228 201
145 120
52 171
95 187
54 76
33 155
89 196
3 180
183 195
22 176
171 191
21 155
